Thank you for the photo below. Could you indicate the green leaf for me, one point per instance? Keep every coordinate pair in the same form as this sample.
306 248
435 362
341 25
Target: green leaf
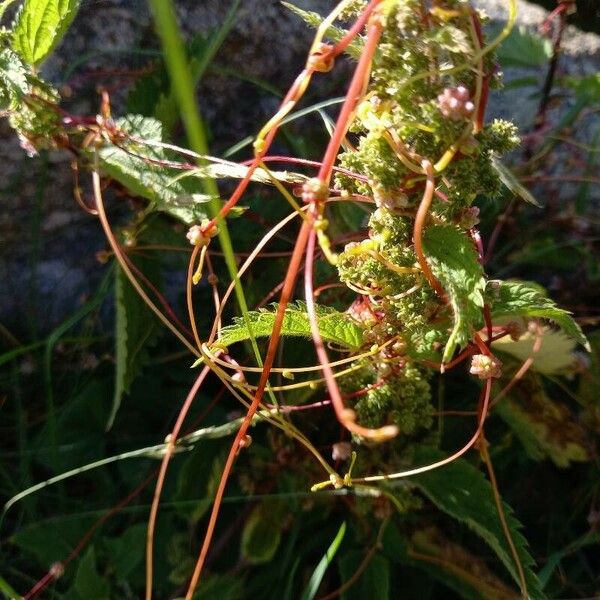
512 183
144 170
545 427
587 88
335 34
39 27
88 582
526 299
220 587
589 383
523 48
335 327
50 540
445 560
127 551
136 329
315 580
262 533
14 83
554 356
7 590
455 263
461 490
374 582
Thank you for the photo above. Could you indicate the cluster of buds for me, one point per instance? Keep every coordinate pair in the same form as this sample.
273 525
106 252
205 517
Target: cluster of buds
314 190
486 367
388 199
455 103
197 235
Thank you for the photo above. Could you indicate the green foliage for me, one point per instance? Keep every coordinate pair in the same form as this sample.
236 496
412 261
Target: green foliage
524 299
315 580
461 491
14 80
262 533
334 326
455 263
374 582
512 183
143 168
39 27
524 48
447 561
545 427
88 582
314 20
136 328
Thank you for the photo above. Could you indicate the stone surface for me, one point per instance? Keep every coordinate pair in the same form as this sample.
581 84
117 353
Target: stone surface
48 245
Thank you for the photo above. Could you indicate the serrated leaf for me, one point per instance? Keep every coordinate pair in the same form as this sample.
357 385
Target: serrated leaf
526 299
14 82
512 183
335 34
523 48
145 170
262 533
139 167
462 491
135 329
467 574
545 427
335 327
39 27
455 263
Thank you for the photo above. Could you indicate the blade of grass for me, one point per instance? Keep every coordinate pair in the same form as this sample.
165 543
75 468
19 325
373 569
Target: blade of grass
183 88
315 580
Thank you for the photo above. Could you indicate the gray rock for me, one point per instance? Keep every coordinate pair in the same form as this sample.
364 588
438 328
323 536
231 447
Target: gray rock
48 244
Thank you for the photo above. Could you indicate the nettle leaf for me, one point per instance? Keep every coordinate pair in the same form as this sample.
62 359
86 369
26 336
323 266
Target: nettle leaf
527 299
136 329
335 34
39 27
462 491
455 263
146 170
467 574
334 326
137 166
545 427
14 82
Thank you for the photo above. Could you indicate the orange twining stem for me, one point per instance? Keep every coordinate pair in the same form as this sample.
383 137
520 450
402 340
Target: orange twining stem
293 95
419 225
286 293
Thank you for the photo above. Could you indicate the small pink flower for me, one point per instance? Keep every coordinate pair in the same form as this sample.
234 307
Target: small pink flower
455 103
